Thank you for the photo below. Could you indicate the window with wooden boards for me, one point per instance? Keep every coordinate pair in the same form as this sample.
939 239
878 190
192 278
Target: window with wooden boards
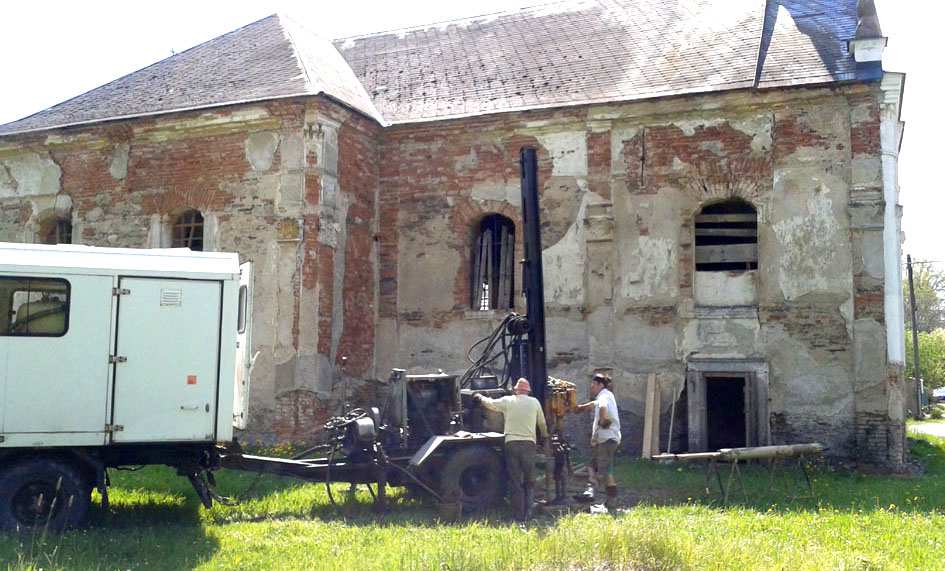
493 264
727 237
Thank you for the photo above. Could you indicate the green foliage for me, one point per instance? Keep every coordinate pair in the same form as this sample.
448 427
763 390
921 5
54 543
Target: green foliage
857 521
929 286
931 358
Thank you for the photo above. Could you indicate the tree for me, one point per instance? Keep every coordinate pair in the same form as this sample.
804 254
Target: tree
931 357
929 298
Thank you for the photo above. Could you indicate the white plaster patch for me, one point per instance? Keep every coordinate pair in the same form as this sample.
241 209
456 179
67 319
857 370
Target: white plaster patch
617 138
758 128
689 126
808 249
467 162
568 152
563 266
726 288
651 266
497 191
31 174
261 149
118 167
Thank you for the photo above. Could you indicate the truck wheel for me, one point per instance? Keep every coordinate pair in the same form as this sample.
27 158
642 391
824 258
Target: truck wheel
473 476
42 493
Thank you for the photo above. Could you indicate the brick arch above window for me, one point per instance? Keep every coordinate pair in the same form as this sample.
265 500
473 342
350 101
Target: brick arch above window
466 219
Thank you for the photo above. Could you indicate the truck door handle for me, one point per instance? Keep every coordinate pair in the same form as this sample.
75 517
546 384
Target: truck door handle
195 407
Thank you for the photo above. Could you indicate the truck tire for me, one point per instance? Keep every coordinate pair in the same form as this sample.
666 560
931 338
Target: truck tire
43 493
473 476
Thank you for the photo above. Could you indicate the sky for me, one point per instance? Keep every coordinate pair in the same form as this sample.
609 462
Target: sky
51 51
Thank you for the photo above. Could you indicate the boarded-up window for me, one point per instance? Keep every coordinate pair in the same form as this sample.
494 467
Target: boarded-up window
493 269
188 231
727 237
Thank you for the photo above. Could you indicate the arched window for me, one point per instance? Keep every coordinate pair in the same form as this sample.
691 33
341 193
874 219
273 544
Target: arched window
56 231
187 231
493 264
727 237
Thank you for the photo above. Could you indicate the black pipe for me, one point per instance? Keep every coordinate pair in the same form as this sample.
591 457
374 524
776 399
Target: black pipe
533 279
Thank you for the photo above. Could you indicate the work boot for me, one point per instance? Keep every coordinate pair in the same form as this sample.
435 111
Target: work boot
587 496
611 502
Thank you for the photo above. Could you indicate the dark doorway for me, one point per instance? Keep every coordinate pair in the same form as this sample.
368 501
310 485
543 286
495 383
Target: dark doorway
725 411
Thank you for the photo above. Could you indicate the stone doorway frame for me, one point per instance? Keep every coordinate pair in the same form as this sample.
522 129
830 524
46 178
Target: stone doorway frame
755 373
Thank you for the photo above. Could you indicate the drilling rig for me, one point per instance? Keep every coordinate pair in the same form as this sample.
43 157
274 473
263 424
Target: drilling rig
430 435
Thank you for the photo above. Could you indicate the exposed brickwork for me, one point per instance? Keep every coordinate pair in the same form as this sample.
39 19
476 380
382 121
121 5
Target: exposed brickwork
821 326
388 233
359 177
793 131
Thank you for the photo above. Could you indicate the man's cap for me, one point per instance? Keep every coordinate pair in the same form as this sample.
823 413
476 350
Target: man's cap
523 383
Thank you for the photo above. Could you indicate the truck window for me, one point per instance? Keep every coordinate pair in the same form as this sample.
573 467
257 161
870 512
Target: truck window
241 316
34 307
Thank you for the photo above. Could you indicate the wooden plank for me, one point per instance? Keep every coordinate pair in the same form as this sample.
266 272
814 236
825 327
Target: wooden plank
736 232
487 269
696 407
502 296
728 253
749 409
710 218
510 267
475 281
651 418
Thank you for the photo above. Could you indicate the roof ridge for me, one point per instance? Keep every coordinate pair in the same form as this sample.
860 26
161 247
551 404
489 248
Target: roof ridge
309 84
314 79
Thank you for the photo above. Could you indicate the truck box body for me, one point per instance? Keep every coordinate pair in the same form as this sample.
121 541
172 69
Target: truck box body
103 346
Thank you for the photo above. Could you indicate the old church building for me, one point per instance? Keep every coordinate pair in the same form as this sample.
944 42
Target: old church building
718 187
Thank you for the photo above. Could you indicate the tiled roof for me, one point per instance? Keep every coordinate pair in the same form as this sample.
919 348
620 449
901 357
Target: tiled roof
566 53
603 50
271 58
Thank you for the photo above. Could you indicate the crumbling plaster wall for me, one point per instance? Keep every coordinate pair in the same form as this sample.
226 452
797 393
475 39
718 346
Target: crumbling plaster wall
270 184
620 185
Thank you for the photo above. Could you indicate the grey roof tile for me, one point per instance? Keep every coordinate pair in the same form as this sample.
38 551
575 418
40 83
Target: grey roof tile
271 58
565 53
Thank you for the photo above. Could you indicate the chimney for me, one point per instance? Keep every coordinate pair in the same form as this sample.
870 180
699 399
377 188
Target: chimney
869 42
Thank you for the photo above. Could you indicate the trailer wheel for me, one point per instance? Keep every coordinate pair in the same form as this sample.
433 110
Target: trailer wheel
42 493
473 476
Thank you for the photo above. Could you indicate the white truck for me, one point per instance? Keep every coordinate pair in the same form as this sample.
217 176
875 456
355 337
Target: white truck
115 357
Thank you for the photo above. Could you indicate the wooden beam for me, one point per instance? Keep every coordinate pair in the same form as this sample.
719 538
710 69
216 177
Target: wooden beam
737 232
727 253
715 218
651 418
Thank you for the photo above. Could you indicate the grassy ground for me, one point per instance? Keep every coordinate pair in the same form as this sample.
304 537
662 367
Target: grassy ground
856 522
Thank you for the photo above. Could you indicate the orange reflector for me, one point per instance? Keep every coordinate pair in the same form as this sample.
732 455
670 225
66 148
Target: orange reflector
191 379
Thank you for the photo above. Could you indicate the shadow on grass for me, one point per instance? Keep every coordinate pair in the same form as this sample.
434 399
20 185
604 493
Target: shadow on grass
836 489
155 502
141 536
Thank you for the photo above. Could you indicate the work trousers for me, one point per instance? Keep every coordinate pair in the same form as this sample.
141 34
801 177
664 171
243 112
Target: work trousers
520 462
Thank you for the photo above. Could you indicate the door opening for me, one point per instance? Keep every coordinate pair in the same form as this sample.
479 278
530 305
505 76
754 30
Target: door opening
725 411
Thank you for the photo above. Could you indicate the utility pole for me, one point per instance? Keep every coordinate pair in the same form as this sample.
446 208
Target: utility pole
917 371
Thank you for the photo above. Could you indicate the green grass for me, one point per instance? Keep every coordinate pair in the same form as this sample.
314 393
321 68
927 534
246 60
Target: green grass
857 521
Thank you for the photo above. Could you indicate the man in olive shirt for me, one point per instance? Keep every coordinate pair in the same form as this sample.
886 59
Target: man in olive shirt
522 414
